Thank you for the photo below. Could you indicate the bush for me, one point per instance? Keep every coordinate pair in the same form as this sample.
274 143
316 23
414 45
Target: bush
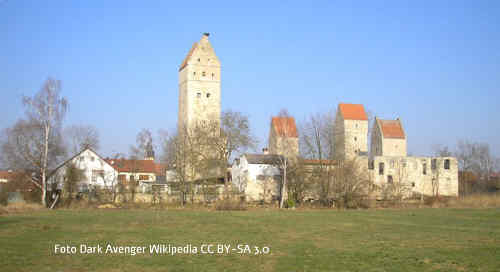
290 203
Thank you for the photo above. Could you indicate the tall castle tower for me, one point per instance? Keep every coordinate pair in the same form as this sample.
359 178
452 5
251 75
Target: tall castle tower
351 131
199 87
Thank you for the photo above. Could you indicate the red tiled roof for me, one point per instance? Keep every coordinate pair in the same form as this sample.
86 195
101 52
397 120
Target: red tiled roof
353 111
186 59
160 169
285 126
392 129
7 175
136 166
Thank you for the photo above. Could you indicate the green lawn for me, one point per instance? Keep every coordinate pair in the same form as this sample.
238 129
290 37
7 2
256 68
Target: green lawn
315 240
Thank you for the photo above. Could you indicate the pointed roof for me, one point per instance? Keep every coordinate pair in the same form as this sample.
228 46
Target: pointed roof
352 111
285 126
391 128
186 59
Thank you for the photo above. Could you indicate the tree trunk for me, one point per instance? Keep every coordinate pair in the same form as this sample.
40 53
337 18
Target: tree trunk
283 188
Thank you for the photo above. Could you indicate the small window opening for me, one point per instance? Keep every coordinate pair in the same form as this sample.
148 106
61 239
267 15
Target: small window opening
389 179
433 164
213 75
203 73
208 95
413 184
194 73
381 168
447 164
424 168
198 95
371 165
355 138
198 60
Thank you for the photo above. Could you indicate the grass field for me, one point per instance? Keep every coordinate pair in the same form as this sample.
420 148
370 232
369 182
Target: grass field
314 240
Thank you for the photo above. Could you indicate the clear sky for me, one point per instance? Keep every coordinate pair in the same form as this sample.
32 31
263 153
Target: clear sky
434 64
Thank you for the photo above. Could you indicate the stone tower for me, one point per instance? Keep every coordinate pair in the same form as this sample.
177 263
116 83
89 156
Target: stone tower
283 137
388 138
351 131
199 87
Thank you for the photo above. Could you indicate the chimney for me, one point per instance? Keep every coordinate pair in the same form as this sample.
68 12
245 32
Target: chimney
265 150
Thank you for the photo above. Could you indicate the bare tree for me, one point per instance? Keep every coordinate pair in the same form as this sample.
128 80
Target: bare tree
35 143
442 151
144 144
80 137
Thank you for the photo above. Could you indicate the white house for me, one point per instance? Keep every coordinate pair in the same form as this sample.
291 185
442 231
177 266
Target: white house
97 171
257 176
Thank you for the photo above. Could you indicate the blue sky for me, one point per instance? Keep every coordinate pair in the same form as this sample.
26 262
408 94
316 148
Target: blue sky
434 64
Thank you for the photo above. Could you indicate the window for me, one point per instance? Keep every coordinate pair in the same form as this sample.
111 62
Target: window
261 177
413 184
194 73
82 159
447 164
371 165
424 168
433 164
198 95
389 179
355 138
203 73
381 168
403 163
213 75
92 158
121 178
143 177
392 164
208 95
96 174
131 178
199 60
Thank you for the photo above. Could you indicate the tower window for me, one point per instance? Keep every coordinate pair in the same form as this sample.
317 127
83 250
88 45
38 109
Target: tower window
213 75
389 179
424 168
355 138
198 95
208 95
433 164
198 60
194 73
447 164
203 73
381 168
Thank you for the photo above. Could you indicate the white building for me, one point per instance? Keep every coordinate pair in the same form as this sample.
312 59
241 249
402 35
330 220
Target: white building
97 171
257 176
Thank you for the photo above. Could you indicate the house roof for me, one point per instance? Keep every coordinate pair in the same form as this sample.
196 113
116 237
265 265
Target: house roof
7 174
133 166
285 126
262 158
186 59
76 155
353 111
391 129
160 169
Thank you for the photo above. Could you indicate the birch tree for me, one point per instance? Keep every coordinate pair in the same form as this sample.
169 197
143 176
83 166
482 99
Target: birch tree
35 143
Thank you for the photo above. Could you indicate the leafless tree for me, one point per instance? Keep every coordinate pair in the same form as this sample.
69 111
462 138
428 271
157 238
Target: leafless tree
80 137
35 143
442 150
